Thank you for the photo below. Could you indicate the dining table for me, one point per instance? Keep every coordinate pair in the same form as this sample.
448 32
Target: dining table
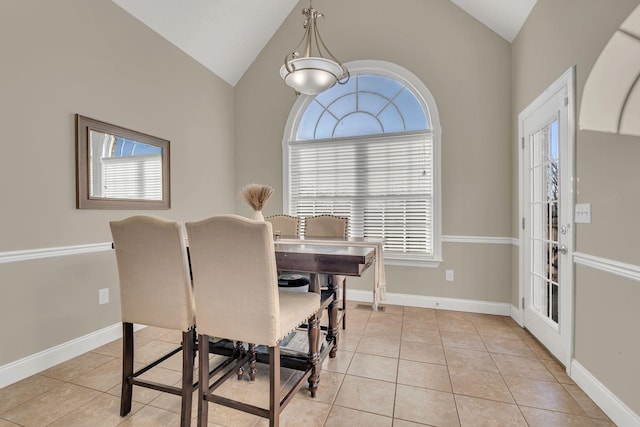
331 256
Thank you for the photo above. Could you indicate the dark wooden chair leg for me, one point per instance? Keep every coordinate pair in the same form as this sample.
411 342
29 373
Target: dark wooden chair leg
239 354
313 333
344 304
252 362
274 386
332 328
127 369
203 380
188 349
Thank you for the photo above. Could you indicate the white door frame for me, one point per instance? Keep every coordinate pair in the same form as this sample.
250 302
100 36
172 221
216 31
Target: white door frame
566 82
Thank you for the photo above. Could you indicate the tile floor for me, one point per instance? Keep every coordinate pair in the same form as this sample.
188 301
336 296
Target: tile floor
404 367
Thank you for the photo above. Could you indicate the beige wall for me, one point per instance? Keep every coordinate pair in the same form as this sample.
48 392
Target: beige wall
556 36
467 69
93 58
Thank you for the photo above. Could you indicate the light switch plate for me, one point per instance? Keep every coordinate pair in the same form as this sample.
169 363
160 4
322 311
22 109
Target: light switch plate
103 296
583 213
449 275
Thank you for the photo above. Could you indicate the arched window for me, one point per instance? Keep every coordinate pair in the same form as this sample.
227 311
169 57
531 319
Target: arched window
369 149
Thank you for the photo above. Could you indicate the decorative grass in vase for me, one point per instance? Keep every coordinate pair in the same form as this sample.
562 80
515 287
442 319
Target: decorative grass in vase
257 195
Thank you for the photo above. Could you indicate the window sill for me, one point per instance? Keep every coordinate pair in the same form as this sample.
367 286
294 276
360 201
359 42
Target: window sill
425 263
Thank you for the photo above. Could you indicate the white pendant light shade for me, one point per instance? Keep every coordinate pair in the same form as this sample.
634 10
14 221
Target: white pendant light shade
310 76
315 69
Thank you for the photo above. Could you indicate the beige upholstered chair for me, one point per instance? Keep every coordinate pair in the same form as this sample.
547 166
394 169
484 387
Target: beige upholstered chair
289 226
237 298
155 290
331 226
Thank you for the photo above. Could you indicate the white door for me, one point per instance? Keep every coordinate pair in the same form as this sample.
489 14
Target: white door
546 177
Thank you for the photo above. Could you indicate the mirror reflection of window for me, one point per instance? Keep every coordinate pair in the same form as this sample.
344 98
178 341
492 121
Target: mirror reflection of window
121 168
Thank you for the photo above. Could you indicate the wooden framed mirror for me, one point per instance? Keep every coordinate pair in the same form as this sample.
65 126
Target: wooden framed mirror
118 168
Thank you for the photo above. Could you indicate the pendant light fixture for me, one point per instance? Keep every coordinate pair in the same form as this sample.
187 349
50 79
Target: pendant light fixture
315 69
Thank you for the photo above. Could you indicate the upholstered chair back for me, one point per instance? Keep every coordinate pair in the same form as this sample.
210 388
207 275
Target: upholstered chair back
155 287
289 226
326 226
235 279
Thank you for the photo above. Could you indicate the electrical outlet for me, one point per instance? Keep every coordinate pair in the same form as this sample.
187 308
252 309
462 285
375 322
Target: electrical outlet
103 296
449 275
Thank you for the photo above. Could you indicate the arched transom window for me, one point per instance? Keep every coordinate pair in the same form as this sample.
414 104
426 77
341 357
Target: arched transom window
368 150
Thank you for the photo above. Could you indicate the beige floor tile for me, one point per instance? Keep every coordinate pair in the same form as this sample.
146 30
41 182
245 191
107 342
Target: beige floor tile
223 416
103 411
457 325
345 417
453 315
462 340
542 418
421 323
482 384
348 340
521 367
149 416
425 406
476 412
328 388
50 406
153 351
25 390
588 406
77 366
558 371
507 346
403 423
419 313
367 395
301 413
603 423
501 331
379 346
469 359
420 352
389 327
340 363
420 334
5 423
521 332
425 375
173 403
374 367
538 349
152 332
542 395
102 378
114 348
392 309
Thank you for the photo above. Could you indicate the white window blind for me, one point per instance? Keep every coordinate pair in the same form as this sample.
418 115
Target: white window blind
132 177
384 184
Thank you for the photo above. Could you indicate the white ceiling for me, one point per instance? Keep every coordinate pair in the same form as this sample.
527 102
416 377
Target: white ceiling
214 32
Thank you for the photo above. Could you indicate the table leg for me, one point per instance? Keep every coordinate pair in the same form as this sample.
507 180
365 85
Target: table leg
332 329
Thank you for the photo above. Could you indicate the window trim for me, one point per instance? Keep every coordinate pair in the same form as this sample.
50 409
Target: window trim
426 99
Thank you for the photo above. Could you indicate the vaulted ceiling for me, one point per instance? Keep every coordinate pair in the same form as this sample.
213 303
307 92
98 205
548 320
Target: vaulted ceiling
214 32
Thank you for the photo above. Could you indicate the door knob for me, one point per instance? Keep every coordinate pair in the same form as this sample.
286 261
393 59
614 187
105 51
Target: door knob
563 249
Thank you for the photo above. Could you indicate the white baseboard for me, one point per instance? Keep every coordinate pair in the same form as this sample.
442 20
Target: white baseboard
615 409
38 362
472 306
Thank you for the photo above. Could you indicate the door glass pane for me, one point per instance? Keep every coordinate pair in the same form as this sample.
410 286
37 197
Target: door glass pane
543 205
